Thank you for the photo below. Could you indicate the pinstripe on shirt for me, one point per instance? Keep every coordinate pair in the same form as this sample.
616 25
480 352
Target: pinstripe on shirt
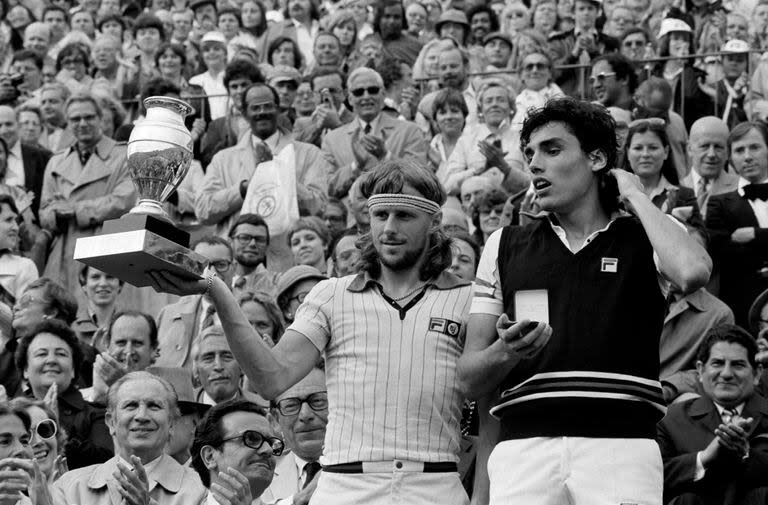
392 383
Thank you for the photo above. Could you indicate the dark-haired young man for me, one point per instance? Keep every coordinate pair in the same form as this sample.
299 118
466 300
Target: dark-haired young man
613 81
715 447
558 303
234 453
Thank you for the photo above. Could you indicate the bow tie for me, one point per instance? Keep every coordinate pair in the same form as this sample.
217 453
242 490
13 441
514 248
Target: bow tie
756 191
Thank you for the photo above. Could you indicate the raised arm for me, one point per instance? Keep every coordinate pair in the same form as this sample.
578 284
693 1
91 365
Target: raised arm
681 259
271 371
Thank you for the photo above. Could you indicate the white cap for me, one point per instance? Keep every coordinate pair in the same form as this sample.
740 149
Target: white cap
669 25
213 37
735 46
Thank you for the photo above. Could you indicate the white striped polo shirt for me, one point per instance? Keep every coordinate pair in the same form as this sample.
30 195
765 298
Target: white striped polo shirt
391 375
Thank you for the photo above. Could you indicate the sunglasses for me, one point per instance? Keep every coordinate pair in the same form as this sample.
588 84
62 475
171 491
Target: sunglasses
633 43
254 440
601 77
372 90
46 429
538 65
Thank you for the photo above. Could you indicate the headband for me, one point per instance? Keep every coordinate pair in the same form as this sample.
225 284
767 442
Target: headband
400 200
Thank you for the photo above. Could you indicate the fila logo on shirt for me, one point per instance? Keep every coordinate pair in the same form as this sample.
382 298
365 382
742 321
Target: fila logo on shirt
610 265
444 326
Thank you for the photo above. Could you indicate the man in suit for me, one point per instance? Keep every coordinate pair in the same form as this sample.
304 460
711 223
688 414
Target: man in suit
26 162
581 44
232 170
179 324
708 154
371 137
715 447
738 222
302 412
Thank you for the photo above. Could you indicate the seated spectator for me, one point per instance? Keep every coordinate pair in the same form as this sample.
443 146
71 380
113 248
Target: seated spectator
335 217
56 135
42 299
264 315
327 50
130 345
327 84
179 324
345 254
49 359
293 286
647 154
285 80
229 22
497 48
250 240
471 189
101 290
190 412
47 438
217 371
309 239
24 163
613 81
141 412
16 272
491 149
29 64
465 255
489 210
622 18
731 91
235 451
538 85
714 446
389 23
634 47
285 51
37 38
450 112
482 22
57 20
358 207
454 221
302 413
30 124
72 67
16 454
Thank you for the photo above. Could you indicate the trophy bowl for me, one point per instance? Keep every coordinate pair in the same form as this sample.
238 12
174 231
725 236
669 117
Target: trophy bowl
159 153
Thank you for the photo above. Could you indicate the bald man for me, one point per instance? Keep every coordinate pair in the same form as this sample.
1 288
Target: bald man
708 154
37 38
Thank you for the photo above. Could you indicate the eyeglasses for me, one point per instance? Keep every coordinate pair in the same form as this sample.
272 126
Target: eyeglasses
372 90
220 266
46 429
254 440
535 65
292 406
299 298
601 77
77 119
647 122
245 239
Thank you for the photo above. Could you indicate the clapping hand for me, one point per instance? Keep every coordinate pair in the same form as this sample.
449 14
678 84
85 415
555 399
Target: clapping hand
132 484
374 145
232 489
15 479
494 156
362 157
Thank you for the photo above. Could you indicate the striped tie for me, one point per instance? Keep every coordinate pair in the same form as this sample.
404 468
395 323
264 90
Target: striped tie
728 414
702 194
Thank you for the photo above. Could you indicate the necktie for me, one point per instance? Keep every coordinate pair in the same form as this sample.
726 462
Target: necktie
84 156
367 128
262 153
210 312
310 470
756 191
702 194
728 414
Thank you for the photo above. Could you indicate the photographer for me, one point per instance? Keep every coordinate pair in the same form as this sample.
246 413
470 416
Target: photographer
23 80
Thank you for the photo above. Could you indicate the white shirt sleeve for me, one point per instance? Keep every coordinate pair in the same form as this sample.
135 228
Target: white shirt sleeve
700 470
488 298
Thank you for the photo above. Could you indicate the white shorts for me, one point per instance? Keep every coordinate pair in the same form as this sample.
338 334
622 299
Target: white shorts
391 488
576 471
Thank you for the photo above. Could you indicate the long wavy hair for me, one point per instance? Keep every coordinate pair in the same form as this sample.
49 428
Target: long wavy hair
394 176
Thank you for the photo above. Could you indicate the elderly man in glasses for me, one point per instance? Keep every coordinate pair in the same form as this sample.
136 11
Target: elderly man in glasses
142 410
302 412
371 137
179 324
234 453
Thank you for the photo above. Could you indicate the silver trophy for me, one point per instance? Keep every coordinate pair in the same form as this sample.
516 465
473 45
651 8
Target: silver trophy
159 154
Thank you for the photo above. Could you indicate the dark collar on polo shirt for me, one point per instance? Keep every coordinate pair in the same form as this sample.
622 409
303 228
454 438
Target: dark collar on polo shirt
446 280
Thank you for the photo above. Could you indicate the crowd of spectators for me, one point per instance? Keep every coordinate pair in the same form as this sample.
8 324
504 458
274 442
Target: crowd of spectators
111 393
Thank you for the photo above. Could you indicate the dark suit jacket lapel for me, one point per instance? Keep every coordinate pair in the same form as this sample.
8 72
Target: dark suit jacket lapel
757 409
742 210
704 411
